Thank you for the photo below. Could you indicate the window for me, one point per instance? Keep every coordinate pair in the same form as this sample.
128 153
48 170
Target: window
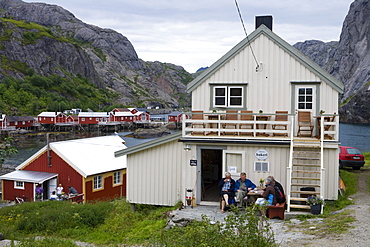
305 98
228 96
83 119
117 178
261 166
98 182
18 185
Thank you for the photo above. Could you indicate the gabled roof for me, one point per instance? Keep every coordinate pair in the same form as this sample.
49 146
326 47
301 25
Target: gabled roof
93 114
49 114
29 176
263 30
88 156
175 113
20 118
149 144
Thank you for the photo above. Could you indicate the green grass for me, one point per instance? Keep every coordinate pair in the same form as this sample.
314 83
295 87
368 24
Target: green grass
54 223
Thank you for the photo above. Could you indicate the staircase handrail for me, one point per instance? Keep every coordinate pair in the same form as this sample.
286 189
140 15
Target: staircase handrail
290 164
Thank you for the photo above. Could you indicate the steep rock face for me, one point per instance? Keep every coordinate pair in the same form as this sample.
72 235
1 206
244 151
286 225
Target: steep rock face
318 51
357 110
102 55
348 60
353 57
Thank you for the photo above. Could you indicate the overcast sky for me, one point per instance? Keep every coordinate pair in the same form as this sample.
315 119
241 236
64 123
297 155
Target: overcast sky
195 33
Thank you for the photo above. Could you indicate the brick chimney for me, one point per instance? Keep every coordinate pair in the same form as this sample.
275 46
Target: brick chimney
266 20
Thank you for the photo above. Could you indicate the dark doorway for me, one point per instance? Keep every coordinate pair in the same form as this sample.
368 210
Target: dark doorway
211 173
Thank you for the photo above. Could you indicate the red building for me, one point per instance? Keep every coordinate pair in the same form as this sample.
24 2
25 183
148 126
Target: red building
22 122
128 116
3 121
88 165
175 116
93 117
51 118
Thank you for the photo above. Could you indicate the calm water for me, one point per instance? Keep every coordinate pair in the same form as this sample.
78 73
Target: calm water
355 135
28 145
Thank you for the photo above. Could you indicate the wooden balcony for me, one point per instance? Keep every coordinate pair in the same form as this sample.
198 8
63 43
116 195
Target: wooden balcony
260 126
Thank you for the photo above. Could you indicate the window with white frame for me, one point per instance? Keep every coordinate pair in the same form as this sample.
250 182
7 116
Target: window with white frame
18 185
117 178
228 96
98 182
261 166
305 98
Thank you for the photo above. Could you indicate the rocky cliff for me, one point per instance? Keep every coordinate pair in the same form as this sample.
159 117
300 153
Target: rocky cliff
50 40
349 61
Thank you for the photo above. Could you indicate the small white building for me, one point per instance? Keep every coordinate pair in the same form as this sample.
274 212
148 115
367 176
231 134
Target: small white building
244 118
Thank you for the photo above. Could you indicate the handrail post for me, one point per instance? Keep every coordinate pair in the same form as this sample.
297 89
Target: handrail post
183 124
322 169
290 164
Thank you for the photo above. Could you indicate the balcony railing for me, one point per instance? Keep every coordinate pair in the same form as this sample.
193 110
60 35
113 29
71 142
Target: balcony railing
259 126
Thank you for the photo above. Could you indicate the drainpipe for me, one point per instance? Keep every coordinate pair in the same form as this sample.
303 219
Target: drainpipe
48 150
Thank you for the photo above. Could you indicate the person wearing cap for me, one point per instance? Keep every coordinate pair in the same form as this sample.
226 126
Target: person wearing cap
227 187
268 196
242 186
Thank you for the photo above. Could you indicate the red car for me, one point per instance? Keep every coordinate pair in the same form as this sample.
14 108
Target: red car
350 156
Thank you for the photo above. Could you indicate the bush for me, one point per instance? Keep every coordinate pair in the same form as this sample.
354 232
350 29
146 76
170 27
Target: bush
239 229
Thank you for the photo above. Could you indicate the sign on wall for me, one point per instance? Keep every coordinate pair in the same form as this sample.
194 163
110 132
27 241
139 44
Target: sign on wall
193 162
261 154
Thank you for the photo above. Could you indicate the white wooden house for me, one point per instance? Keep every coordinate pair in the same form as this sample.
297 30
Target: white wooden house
245 118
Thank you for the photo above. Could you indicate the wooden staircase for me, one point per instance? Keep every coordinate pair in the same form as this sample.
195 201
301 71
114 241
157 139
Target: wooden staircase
304 173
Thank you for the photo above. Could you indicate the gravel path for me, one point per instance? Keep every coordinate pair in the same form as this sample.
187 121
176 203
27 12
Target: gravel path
356 236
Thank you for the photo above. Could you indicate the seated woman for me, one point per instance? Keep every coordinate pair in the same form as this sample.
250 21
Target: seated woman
227 186
268 196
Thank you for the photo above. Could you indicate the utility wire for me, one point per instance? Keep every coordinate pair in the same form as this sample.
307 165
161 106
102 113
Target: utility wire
245 31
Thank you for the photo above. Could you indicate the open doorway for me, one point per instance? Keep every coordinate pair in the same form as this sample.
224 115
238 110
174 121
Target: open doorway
211 171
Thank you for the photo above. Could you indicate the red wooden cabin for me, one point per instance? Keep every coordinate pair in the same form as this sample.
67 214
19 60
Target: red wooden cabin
22 122
88 165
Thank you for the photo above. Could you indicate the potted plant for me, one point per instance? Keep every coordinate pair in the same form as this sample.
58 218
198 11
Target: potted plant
315 204
188 200
261 182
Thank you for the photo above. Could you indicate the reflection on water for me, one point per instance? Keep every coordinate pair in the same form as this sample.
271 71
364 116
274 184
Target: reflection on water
355 135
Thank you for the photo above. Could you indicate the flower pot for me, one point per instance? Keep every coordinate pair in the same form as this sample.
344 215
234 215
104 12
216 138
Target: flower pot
316 209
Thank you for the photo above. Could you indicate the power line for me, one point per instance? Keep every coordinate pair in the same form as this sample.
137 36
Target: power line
245 31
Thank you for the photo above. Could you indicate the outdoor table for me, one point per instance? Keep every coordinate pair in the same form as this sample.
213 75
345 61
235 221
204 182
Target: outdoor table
253 195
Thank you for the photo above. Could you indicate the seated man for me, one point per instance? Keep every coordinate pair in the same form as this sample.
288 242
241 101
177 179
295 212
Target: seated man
242 186
72 191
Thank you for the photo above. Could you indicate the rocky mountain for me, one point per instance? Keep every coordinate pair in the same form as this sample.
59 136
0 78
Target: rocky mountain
50 40
349 61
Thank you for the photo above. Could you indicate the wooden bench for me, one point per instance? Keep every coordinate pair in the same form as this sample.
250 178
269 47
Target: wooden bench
76 199
277 210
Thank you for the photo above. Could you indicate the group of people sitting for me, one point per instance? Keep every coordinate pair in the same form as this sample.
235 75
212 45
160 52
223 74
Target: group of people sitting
60 195
238 190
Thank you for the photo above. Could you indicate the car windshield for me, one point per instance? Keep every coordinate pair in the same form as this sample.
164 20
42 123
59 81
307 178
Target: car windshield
353 151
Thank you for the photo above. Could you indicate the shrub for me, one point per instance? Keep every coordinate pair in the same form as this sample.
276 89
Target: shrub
239 229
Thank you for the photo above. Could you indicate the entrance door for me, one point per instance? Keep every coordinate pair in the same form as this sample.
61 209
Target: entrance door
211 173
52 185
233 162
